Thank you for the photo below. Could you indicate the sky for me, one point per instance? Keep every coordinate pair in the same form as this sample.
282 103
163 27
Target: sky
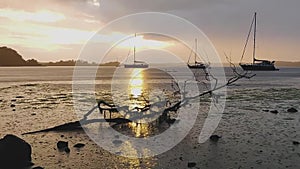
52 30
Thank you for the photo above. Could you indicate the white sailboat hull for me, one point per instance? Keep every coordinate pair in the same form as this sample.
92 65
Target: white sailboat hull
136 65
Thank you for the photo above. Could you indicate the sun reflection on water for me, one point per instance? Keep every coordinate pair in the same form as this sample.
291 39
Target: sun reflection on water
136 83
138 97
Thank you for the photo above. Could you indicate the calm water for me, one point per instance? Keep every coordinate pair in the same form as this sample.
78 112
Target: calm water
286 77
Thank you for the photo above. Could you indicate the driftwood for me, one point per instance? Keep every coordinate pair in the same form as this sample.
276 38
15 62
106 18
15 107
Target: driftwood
104 107
65 127
77 125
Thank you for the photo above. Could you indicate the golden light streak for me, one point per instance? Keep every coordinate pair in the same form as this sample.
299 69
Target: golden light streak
136 83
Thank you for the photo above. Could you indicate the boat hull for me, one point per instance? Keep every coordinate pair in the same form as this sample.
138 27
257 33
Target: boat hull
253 67
136 66
197 66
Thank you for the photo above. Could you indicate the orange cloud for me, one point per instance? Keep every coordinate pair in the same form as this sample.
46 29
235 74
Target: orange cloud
39 16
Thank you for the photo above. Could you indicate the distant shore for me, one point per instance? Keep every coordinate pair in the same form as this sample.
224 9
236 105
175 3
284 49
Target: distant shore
11 58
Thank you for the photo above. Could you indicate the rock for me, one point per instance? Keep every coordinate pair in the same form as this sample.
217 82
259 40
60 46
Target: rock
12 105
296 143
288 118
67 150
79 145
38 167
19 97
265 110
117 142
274 111
63 146
170 121
292 110
214 138
14 153
259 161
191 164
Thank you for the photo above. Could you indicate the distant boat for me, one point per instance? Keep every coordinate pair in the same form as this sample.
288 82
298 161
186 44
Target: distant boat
196 64
136 64
257 64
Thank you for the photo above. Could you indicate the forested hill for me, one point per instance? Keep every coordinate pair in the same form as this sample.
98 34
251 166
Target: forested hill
10 57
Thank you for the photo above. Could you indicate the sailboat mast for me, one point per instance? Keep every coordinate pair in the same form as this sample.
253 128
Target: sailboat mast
134 49
196 51
254 37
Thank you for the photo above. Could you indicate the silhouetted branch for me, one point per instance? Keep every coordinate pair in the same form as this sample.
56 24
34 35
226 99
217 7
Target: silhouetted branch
139 113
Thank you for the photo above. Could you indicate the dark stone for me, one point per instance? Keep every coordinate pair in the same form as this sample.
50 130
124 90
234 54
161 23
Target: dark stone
12 105
170 121
296 143
19 97
214 138
274 111
288 118
266 110
292 110
63 146
117 142
180 158
33 114
79 145
14 153
191 164
38 167
67 150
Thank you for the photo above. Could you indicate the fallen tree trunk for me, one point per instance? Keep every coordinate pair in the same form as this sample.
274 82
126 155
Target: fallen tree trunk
64 127
77 125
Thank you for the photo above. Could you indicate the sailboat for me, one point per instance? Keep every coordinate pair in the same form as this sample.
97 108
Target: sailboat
136 64
196 64
257 64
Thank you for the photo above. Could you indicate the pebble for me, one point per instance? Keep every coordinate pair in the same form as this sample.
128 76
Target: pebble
63 146
214 138
296 143
79 145
292 110
117 142
274 111
191 164
38 167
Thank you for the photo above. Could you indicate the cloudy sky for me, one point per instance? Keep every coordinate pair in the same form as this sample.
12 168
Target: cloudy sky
51 30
